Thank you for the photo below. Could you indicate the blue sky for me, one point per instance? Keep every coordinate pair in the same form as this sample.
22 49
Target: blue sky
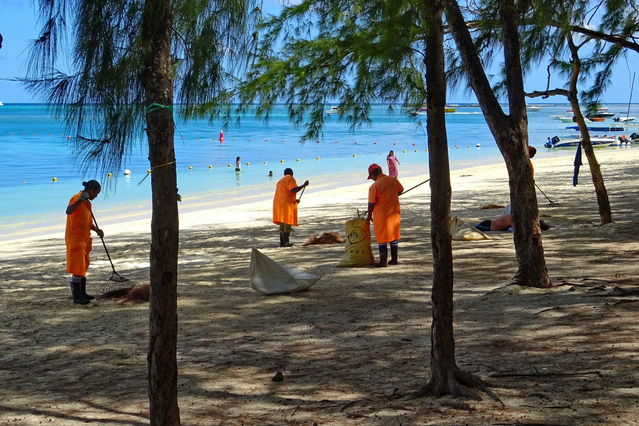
18 25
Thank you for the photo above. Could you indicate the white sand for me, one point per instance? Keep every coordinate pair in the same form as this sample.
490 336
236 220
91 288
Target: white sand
361 336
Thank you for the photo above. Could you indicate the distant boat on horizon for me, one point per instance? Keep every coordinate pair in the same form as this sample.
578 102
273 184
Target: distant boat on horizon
1 104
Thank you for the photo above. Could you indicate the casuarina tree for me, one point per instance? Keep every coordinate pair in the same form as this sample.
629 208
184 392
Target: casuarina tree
113 70
363 52
582 40
509 130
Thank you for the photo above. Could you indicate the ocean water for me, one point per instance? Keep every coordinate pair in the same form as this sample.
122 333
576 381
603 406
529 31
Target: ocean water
34 150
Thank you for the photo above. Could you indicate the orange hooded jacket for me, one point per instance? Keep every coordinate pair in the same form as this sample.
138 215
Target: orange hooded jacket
78 237
284 202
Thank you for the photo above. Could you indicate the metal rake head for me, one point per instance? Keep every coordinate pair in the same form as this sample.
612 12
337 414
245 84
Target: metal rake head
110 287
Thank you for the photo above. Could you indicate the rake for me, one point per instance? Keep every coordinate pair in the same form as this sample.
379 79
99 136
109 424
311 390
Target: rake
552 203
115 279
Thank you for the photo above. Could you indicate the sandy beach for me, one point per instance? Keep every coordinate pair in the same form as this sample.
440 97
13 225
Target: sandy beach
353 348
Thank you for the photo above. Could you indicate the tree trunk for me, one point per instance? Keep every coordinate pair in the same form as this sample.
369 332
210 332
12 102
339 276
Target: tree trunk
445 377
605 213
510 133
158 86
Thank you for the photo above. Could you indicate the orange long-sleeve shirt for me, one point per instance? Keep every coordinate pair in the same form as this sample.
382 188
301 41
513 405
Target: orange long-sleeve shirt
384 193
284 202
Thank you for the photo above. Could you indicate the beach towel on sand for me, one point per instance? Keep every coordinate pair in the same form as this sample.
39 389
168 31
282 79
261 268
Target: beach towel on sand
461 231
358 244
269 277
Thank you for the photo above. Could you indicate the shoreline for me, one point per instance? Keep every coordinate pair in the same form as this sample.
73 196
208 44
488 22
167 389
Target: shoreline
254 202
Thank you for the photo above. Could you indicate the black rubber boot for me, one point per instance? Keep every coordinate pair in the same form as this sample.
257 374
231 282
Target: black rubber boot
285 241
281 239
83 288
393 260
383 257
76 291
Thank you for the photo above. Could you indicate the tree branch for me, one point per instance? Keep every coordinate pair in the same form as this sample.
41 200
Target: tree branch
611 38
546 93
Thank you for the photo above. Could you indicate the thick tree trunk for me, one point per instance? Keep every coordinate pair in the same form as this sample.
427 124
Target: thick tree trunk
605 213
442 353
158 85
510 133
445 377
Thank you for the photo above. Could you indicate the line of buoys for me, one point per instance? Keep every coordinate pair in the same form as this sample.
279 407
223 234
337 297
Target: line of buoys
127 172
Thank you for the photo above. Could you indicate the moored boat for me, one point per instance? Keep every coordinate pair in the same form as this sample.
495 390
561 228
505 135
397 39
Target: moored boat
599 128
332 110
623 119
570 141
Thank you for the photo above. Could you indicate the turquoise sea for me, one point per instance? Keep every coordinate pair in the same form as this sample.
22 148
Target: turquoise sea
34 150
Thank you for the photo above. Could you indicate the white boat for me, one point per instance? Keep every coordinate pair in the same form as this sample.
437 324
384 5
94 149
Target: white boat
1 104
625 140
424 110
533 107
333 110
570 141
623 119
564 119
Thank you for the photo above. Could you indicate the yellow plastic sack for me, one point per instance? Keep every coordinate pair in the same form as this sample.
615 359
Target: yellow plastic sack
358 244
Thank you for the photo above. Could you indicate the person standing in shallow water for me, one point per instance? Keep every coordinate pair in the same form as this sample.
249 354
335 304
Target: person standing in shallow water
393 162
285 205
238 164
78 239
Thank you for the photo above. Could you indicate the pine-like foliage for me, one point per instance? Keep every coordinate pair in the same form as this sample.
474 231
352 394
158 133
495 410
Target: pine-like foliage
88 63
319 52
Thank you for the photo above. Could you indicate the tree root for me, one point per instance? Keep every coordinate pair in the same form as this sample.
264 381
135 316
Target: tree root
458 384
550 373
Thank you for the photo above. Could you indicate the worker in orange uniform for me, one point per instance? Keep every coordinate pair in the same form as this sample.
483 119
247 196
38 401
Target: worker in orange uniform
285 205
383 210
78 239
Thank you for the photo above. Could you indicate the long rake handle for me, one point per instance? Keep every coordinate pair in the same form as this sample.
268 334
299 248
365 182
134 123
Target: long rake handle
104 244
300 199
404 192
551 201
